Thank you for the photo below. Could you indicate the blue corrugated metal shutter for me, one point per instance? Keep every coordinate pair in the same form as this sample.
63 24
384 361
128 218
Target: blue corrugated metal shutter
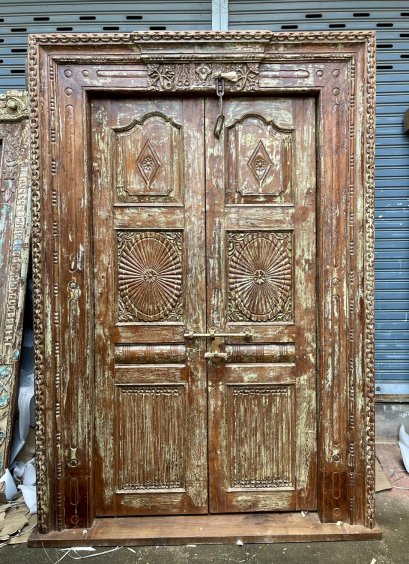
391 22
21 17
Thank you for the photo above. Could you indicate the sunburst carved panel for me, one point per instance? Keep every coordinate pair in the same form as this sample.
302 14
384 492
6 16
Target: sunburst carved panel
149 276
258 161
260 275
148 159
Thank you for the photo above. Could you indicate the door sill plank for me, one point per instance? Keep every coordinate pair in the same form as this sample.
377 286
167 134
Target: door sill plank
205 529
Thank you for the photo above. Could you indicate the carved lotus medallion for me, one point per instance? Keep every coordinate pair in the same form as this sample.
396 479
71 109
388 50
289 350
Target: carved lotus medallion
260 163
149 276
260 276
148 163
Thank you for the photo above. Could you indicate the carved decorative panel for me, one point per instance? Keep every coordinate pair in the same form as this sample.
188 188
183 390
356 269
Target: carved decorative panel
148 164
202 75
261 454
15 227
259 157
260 274
151 437
149 276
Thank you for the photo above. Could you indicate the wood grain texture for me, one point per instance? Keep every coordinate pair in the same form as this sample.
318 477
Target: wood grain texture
15 231
337 71
263 277
213 529
149 274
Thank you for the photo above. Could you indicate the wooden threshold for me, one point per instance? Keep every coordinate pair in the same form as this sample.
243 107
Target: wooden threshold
205 529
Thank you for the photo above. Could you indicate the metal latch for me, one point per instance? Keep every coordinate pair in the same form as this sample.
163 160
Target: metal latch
215 354
213 335
221 77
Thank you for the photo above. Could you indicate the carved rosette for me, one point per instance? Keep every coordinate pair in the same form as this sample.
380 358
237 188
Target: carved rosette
260 276
149 276
14 105
260 163
148 163
190 76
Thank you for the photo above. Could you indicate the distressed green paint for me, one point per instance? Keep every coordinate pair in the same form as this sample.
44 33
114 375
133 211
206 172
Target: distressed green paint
14 252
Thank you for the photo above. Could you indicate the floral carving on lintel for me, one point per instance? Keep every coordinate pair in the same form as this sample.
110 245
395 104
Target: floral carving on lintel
188 76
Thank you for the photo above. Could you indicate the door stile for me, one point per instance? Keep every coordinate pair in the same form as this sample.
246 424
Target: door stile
306 344
216 282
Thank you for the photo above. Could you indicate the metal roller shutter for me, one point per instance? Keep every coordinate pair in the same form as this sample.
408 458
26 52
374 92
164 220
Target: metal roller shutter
391 23
21 17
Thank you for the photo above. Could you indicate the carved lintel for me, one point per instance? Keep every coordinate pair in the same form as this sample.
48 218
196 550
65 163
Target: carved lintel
202 75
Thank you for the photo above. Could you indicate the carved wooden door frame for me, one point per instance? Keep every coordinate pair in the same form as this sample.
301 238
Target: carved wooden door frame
338 68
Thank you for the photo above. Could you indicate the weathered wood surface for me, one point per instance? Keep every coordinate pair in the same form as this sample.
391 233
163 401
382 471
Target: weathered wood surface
149 269
202 529
15 222
122 173
262 432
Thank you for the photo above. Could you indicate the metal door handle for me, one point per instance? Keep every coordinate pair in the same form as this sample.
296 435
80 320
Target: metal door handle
216 354
214 335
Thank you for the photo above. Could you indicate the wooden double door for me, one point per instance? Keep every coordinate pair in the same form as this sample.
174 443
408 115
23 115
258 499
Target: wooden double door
205 304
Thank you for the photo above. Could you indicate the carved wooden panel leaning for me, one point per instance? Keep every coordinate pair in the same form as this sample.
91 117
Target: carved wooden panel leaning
15 200
203 303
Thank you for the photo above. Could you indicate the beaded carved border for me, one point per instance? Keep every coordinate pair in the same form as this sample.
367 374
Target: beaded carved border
369 278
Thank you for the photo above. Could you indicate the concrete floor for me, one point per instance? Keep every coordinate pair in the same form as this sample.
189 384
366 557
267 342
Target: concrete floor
392 516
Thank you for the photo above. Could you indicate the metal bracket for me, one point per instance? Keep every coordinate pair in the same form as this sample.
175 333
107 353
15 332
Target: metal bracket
213 335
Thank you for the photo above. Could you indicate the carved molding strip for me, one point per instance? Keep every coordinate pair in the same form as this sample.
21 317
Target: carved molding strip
186 36
369 281
15 229
261 353
38 297
149 354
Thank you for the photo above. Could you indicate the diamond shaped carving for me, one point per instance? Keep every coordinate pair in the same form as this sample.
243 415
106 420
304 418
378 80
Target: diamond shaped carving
148 163
259 162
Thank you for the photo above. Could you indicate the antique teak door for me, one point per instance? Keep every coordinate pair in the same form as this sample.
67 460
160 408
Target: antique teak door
195 234
203 294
